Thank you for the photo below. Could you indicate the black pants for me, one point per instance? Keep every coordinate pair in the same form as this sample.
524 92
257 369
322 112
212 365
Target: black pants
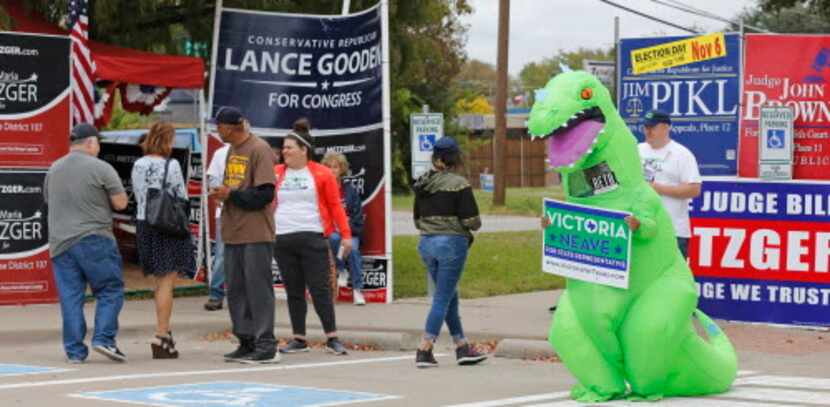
303 259
250 291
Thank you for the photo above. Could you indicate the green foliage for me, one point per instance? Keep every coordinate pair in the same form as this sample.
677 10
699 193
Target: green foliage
122 119
498 264
426 36
798 18
817 7
536 74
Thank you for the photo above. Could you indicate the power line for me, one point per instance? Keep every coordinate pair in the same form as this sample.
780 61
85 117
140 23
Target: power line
650 17
703 13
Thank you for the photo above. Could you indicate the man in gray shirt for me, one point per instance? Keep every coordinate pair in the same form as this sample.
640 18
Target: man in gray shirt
81 192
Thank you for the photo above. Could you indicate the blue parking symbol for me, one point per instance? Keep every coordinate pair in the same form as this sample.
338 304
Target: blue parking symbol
775 139
238 394
17 370
426 141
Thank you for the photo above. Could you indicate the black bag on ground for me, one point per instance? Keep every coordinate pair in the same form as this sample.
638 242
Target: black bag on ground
167 212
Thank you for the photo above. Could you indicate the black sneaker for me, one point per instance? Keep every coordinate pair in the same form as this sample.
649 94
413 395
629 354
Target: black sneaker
333 345
213 305
245 348
424 358
260 358
111 352
295 346
466 355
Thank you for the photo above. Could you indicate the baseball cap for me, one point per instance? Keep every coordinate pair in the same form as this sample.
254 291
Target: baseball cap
228 115
655 116
445 144
82 131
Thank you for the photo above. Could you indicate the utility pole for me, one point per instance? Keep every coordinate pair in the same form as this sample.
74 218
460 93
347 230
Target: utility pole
500 141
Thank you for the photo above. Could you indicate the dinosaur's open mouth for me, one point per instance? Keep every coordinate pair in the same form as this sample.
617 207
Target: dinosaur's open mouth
574 138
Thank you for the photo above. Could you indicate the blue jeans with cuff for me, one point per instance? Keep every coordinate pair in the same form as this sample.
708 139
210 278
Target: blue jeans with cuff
94 260
444 257
355 260
217 277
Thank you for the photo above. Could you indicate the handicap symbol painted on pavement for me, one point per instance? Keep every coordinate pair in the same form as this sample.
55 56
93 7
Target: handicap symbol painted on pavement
236 394
17 370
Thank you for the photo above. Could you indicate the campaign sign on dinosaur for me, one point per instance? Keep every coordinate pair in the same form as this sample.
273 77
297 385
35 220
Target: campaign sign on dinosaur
701 98
760 251
793 71
586 243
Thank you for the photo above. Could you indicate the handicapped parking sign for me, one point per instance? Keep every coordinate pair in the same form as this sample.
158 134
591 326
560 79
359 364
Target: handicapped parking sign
426 142
775 138
237 394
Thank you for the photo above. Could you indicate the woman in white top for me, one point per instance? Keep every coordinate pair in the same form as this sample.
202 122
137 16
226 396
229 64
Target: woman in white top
308 207
160 255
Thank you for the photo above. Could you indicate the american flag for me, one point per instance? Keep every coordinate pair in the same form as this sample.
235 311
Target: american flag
83 68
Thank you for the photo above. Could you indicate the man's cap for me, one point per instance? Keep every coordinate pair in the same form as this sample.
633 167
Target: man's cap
445 144
656 116
82 131
228 115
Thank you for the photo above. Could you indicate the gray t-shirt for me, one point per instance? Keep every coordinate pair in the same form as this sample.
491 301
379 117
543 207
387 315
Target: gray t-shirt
147 173
77 190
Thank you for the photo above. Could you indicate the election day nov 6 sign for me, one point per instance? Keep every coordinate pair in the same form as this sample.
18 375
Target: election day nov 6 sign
586 243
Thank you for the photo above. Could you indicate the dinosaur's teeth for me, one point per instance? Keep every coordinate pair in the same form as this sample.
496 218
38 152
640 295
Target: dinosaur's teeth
573 117
589 151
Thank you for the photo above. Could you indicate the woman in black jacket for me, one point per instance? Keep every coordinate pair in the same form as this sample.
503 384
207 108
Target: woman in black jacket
445 212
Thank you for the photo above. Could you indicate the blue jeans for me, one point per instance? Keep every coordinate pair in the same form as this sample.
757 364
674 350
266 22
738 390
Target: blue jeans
355 260
94 260
444 257
217 278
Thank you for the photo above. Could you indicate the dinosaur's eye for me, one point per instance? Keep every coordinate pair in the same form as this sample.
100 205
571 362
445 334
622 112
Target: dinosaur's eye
587 93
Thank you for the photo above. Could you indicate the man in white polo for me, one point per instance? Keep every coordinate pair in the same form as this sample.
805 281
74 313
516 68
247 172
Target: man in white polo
672 171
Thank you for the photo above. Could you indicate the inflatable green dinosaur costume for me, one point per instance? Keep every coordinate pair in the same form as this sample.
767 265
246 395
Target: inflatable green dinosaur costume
643 335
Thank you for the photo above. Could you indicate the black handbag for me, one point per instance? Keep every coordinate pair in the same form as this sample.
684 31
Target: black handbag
167 212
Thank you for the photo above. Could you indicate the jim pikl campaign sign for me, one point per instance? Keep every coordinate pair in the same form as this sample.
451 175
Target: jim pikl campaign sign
586 243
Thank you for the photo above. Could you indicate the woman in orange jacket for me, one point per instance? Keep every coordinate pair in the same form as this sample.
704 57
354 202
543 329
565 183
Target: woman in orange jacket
307 209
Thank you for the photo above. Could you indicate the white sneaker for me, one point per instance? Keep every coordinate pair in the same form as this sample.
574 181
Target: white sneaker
342 279
358 298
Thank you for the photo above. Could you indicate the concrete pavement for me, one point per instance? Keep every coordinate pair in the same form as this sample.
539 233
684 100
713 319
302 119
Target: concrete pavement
781 367
402 223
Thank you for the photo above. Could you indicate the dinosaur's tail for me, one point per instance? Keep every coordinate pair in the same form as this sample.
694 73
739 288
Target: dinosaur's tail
703 367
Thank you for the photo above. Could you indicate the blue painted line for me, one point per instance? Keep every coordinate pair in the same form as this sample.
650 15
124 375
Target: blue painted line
19 370
237 394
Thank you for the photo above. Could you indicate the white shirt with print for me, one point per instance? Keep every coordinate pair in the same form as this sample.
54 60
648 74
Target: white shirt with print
297 209
673 164
216 172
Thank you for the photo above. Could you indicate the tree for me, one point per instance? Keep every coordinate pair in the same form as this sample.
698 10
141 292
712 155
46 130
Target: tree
426 44
477 105
798 18
820 7
535 75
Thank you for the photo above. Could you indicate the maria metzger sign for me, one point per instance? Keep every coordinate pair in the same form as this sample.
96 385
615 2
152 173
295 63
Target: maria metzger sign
760 251
586 243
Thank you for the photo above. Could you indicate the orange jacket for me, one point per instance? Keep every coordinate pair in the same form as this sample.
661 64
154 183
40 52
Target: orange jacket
328 198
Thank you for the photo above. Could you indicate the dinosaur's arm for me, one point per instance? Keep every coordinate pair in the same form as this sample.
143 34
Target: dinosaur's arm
645 209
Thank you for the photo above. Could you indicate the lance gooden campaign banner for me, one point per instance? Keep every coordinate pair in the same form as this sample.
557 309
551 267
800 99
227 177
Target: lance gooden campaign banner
760 251
701 98
279 67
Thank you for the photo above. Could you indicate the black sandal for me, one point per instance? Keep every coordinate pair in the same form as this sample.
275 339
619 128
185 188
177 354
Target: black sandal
164 347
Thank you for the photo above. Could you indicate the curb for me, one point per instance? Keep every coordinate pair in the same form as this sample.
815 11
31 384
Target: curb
524 349
511 348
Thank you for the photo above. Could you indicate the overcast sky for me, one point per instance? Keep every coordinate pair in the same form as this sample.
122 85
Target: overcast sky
539 28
